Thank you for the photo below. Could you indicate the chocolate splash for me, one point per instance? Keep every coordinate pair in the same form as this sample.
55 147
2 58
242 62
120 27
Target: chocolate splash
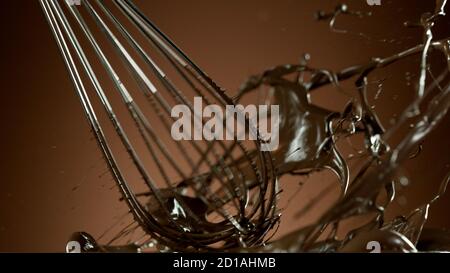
236 182
404 233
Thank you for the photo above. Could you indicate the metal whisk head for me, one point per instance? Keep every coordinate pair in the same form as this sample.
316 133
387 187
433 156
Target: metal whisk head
193 194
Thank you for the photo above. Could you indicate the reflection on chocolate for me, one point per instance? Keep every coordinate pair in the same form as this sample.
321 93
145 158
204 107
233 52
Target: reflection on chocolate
223 196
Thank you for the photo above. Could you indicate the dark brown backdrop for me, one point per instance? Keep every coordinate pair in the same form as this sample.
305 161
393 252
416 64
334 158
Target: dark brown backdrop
46 146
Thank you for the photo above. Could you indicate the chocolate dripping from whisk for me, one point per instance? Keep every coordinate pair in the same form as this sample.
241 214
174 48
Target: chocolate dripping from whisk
405 148
371 127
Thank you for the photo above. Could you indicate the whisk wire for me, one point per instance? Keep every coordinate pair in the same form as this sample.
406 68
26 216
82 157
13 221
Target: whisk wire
231 199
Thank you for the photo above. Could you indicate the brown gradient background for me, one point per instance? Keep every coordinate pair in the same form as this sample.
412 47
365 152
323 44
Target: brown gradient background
46 146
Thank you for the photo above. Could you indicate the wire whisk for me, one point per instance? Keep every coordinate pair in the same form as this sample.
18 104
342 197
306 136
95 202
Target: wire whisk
191 195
